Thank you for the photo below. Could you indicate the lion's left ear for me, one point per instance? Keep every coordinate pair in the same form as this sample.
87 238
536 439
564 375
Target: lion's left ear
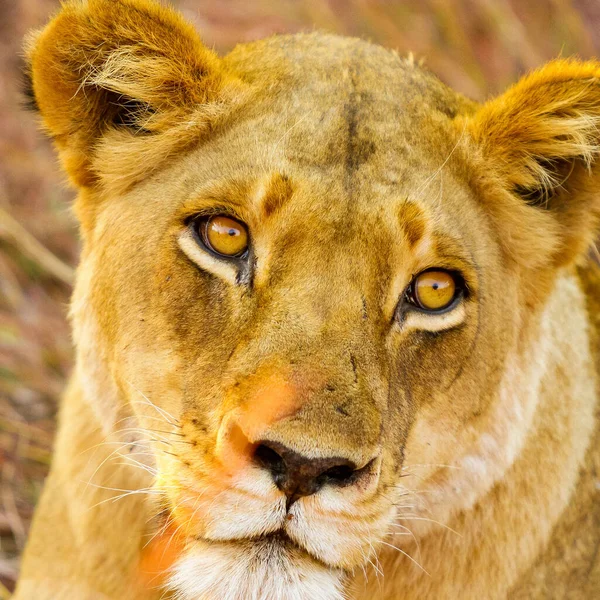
541 141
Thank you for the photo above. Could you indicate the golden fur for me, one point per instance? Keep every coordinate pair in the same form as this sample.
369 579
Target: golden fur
354 169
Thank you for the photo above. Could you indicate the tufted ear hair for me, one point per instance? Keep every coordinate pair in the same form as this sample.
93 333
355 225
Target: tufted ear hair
540 141
121 84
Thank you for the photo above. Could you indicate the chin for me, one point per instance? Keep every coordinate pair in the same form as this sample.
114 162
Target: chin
270 568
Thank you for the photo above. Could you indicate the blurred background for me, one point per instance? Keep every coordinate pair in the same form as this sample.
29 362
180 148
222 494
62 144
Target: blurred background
476 46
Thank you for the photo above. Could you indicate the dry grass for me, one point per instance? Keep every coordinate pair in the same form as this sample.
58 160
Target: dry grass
477 46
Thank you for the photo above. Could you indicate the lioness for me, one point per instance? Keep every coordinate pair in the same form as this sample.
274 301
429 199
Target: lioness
337 334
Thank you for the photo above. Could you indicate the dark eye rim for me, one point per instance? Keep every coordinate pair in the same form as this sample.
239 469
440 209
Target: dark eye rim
409 296
199 227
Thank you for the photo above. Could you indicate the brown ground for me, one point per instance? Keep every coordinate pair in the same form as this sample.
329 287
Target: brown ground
477 46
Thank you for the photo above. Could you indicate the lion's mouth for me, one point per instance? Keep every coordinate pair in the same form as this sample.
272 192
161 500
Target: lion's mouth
277 540
325 530
271 566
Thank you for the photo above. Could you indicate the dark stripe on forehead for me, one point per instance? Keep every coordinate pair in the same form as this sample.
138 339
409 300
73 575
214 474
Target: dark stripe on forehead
358 148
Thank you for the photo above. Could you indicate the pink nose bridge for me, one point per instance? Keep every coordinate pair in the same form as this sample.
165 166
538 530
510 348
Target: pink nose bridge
273 399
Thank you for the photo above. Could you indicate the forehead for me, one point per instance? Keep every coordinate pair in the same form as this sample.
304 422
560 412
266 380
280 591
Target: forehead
336 110
342 101
358 130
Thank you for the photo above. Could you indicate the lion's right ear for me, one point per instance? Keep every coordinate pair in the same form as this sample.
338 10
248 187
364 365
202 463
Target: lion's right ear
121 84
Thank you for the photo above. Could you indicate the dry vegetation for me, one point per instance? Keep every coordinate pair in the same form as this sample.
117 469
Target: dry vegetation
477 46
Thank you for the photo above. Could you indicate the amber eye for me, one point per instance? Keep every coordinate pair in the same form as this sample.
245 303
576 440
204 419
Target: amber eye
434 290
223 235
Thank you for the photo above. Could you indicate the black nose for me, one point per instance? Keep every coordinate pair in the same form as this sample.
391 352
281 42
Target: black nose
297 476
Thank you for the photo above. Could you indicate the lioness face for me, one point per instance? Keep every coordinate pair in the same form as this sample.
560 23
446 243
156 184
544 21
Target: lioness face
302 394
311 314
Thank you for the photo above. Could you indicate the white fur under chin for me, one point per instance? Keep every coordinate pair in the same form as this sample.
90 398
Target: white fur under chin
260 570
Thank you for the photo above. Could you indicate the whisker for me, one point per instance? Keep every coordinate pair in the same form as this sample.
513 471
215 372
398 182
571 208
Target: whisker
287 132
411 518
137 430
375 565
432 465
166 416
116 432
109 457
130 493
426 183
407 531
167 432
161 411
407 556
139 465
112 489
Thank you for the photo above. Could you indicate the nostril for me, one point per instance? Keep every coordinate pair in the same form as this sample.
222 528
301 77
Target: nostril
340 473
269 459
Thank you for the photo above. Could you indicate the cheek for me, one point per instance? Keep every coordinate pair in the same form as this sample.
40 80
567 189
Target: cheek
422 417
430 364
201 311
450 417
436 439
148 375
453 391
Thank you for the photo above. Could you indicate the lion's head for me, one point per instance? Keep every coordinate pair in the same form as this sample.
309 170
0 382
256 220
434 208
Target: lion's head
310 280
